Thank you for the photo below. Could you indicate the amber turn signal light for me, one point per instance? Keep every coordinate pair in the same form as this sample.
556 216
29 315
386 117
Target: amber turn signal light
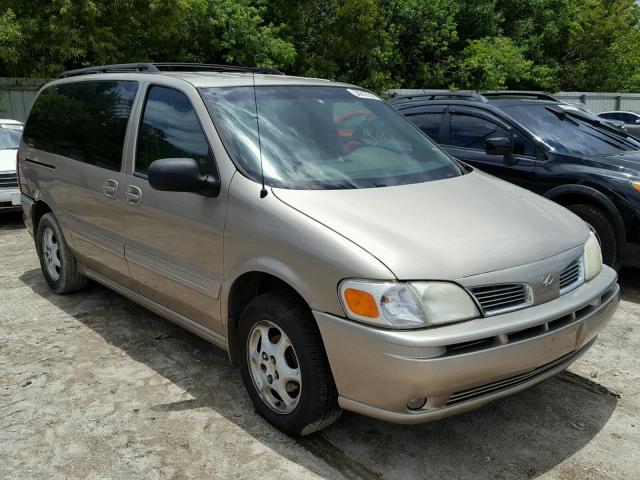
361 303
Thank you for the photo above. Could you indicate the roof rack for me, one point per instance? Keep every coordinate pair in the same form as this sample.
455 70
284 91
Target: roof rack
166 66
520 94
440 96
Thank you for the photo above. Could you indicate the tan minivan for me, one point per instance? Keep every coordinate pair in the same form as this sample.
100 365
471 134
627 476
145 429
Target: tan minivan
342 259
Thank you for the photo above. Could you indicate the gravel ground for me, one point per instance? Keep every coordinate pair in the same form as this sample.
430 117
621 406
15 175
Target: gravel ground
94 386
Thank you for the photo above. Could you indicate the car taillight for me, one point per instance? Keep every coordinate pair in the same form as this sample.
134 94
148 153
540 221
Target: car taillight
18 168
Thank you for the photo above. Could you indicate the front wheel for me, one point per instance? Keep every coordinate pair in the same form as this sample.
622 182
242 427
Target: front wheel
603 228
284 365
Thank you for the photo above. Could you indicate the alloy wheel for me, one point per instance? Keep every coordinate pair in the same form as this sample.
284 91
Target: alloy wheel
274 367
51 253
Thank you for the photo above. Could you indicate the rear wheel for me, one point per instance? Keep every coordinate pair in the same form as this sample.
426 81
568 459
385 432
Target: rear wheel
284 366
603 228
58 264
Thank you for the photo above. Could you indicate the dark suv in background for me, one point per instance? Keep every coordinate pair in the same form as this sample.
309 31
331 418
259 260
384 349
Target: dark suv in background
549 147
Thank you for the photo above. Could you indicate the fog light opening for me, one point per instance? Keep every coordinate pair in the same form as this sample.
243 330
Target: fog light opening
416 403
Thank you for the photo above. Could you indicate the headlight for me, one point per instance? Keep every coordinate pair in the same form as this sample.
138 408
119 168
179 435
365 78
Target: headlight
592 258
636 185
406 305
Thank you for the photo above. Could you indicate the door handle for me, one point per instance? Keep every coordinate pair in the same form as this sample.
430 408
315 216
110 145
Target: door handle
110 188
133 195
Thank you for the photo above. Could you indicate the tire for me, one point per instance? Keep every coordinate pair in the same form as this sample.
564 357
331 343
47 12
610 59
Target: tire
315 404
602 226
52 248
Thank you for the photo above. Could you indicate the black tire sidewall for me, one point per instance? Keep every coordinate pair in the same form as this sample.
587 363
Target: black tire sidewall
600 222
48 220
291 318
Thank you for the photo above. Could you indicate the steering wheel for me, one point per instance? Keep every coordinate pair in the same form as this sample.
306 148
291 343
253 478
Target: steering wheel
369 132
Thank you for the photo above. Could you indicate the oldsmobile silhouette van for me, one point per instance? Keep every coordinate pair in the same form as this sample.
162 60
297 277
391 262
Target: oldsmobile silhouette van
354 267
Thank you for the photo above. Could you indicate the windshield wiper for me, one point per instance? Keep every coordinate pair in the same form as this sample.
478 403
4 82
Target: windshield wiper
593 122
601 127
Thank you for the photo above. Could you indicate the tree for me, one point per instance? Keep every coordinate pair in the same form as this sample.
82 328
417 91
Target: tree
538 44
602 52
496 62
339 39
45 37
423 33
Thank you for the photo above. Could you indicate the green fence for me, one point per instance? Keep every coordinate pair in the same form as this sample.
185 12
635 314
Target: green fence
17 96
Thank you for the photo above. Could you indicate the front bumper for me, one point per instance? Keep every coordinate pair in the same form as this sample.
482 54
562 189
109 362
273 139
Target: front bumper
10 199
463 366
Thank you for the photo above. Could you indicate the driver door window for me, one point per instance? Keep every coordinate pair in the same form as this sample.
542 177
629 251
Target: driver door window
468 131
170 129
472 132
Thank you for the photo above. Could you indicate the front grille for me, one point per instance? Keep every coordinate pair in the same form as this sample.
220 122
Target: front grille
495 299
8 180
483 343
507 383
572 276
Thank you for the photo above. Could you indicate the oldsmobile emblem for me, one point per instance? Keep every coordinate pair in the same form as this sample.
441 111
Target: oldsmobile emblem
547 280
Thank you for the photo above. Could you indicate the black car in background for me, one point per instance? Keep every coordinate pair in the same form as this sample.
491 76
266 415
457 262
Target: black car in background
549 147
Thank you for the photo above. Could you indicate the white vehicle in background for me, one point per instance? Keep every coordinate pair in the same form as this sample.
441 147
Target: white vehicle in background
630 120
10 134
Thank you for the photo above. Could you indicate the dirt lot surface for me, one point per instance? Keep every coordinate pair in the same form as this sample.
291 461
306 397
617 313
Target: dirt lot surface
94 386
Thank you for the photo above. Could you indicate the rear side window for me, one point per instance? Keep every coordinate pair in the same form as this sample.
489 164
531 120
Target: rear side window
170 129
84 121
611 116
429 123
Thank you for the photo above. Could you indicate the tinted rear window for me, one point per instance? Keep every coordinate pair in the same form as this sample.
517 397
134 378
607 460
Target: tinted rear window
84 121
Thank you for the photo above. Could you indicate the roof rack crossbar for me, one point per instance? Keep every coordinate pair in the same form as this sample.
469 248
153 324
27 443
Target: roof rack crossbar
166 66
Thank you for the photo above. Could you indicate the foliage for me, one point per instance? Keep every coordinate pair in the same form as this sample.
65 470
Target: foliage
497 62
484 44
602 53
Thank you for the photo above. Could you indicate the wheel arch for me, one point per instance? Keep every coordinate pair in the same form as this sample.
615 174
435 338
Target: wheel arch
583 194
38 210
243 289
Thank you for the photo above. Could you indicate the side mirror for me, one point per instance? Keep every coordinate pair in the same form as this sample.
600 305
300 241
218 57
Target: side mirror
501 146
498 146
181 175
638 121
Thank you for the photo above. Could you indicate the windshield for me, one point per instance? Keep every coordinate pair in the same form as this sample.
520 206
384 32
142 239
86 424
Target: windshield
323 137
568 134
10 138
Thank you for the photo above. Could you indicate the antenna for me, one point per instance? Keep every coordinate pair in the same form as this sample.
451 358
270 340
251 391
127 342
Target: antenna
263 191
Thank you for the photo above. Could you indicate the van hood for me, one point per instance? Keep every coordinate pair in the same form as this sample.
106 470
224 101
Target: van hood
446 229
8 160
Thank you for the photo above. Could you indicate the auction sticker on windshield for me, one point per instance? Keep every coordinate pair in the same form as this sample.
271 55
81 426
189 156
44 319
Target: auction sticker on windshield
363 94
